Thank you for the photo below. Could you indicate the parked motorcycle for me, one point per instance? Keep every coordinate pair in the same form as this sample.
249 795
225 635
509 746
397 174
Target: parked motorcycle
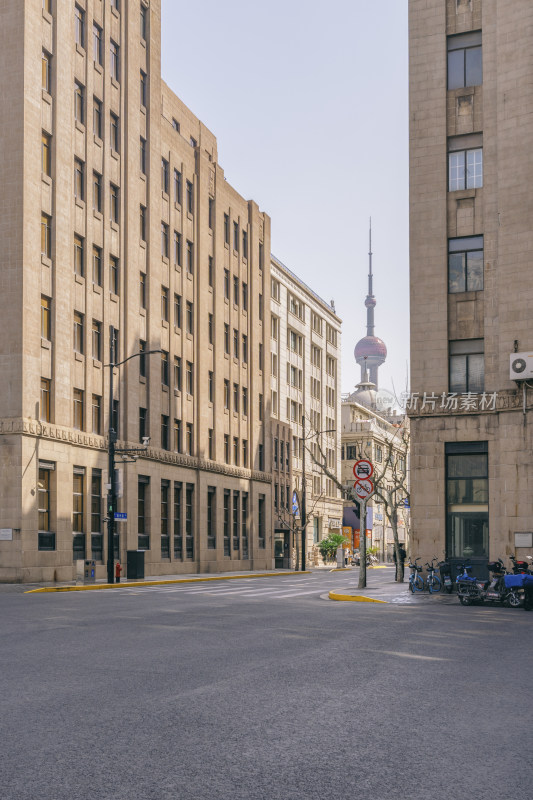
446 576
500 588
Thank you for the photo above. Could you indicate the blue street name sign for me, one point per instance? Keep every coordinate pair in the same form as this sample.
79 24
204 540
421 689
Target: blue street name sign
120 516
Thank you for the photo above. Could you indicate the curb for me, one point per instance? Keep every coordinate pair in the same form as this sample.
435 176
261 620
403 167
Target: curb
357 598
92 587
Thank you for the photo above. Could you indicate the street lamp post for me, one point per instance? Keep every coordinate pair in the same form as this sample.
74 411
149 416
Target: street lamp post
304 498
111 451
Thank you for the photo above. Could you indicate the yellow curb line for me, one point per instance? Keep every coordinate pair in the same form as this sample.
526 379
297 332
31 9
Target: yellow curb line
159 583
358 598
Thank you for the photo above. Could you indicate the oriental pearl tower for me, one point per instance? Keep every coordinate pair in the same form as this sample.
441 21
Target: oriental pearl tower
370 352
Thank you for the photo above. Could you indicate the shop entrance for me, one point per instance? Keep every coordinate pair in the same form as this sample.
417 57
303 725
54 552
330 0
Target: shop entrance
282 548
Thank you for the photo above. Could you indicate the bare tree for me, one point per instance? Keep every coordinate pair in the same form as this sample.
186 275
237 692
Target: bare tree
297 529
390 485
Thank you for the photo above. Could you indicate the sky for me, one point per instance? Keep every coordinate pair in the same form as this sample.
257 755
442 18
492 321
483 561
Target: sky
309 104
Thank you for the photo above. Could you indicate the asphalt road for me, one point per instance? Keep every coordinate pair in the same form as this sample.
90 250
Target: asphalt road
236 691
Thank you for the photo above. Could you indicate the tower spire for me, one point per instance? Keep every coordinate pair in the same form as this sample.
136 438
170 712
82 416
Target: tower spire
370 301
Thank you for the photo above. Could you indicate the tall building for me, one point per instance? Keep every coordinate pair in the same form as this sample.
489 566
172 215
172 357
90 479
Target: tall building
305 393
118 226
471 96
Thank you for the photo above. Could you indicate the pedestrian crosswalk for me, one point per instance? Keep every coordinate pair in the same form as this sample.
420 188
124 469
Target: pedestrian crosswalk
278 589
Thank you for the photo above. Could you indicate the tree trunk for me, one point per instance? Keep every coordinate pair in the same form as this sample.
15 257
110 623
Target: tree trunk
362 546
400 568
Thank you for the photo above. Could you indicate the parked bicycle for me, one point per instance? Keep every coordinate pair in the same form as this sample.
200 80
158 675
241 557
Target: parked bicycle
416 582
433 581
446 576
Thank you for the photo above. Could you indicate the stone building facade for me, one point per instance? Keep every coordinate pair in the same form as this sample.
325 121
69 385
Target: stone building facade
471 207
305 391
118 223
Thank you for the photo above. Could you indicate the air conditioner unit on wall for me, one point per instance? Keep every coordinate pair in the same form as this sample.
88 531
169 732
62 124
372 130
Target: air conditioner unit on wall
521 366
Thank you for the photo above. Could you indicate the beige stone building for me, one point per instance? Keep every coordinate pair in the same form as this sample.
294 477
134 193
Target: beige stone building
367 434
116 216
471 206
305 391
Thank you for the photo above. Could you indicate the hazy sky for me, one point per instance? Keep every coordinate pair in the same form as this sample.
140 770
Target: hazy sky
308 102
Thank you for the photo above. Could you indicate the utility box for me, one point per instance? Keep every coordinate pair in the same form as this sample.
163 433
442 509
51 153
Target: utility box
134 564
89 571
340 558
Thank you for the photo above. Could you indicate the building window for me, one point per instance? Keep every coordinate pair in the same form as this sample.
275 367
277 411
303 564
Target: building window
115 61
115 4
226 284
210 329
177 248
77 411
226 338
46 154
211 213
210 444
78 332
226 448
142 164
210 272
165 538
164 304
465 60
261 409
97 340
226 393
78 528
143 534
177 436
260 359
97 117
164 368
261 255
465 264
467 366
97 538
96 414
97 192
236 524
115 208
47 71
379 454
164 175
189 520
46 318
177 186
164 240
144 89
189 378
142 358
465 164
211 517
189 439
79 26
226 229
244 401
113 345
236 397
467 500
244 296
97 44
144 22
44 405
43 500
79 112
164 432
79 179
178 536
261 456
236 292
227 551
114 133
114 275
175 125
143 424
260 306
245 348
236 236
245 452
177 373
190 257
189 317
274 289
261 521
235 343
142 223
190 197
142 290
177 310
245 244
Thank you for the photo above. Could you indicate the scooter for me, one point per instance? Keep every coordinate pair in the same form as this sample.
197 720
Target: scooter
500 588
446 576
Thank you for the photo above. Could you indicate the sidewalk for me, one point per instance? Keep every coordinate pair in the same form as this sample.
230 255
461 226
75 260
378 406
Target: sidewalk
382 588
149 580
